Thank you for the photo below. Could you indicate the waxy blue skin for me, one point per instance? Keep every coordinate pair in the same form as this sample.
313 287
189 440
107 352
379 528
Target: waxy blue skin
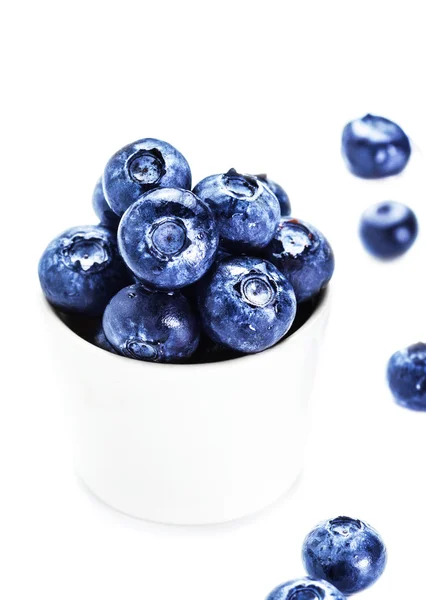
102 210
388 229
279 192
346 552
142 166
246 304
153 326
168 238
406 375
374 147
305 588
247 211
303 255
81 270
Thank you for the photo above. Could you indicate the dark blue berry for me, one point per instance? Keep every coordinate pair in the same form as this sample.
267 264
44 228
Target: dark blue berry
153 326
388 229
168 238
303 255
246 304
406 375
142 166
305 589
102 210
81 270
375 147
246 210
346 552
279 192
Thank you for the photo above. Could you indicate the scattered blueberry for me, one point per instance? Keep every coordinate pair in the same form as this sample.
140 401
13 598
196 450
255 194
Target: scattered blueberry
375 147
81 270
388 229
102 210
153 326
303 255
142 166
281 195
346 552
246 210
305 589
246 304
168 238
406 376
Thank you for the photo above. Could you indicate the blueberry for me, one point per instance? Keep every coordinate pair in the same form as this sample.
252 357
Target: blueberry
375 147
246 210
142 166
102 210
305 589
346 552
281 195
153 326
303 255
388 229
246 304
168 238
406 376
81 270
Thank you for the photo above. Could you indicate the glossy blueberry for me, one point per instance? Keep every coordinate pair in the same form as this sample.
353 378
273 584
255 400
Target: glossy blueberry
303 255
168 238
305 589
281 195
346 552
375 147
153 326
388 229
81 270
246 304
246 210
142 166
102 210
406 376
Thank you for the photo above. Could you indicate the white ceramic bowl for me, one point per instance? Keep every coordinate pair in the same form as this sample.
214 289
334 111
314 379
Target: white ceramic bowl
188 444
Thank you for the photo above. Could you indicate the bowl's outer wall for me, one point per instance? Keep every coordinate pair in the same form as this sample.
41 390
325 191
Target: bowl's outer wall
188 444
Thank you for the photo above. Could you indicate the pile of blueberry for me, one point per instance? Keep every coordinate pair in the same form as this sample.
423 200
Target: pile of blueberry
171 274
342 556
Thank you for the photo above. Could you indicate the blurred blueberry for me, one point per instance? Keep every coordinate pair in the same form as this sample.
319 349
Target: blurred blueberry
102 210
246 304
388 229
303 255
305 589
246 210
375 147
281 195
346 552
406 375
81 270
142 166
168 238
153 326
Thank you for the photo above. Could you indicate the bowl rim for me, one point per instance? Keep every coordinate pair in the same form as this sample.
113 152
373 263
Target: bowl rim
320 309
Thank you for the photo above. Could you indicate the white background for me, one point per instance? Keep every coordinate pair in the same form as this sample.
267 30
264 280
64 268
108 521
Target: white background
264 86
